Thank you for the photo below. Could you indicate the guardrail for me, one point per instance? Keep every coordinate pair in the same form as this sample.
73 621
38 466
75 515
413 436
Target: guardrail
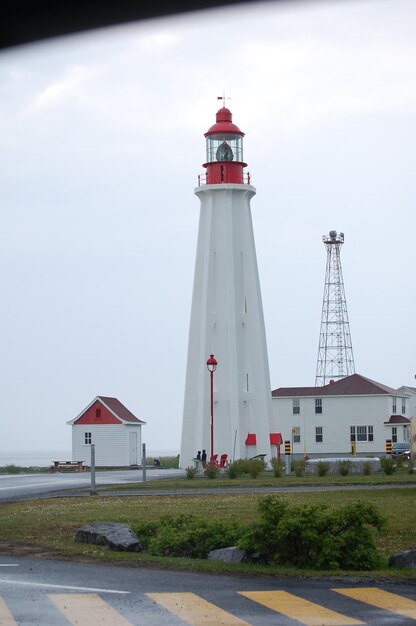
202 179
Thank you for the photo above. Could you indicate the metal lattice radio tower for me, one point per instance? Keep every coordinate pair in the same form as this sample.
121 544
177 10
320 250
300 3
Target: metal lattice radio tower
335 356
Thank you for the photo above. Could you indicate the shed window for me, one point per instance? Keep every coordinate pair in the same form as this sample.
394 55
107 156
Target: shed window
98 413
87 438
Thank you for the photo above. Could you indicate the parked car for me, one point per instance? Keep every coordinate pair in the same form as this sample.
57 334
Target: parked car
399 450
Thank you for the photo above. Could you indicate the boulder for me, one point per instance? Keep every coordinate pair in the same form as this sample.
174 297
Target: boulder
403 559
228 555
119 537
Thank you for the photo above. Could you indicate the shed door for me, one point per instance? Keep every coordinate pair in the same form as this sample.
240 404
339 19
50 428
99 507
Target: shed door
133 448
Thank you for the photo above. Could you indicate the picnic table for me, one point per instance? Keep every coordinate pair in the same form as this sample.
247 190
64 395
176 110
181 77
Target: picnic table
67 466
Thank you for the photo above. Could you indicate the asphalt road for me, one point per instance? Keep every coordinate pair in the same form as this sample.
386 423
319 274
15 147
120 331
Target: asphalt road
24 486
35 591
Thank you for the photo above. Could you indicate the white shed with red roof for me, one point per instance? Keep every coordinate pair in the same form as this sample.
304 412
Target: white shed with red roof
115 431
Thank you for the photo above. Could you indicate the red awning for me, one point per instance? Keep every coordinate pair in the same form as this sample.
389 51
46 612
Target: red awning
251 439
276 439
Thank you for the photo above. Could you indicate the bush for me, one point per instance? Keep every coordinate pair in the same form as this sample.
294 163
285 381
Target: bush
387 465
11 469
191 472
166 462
233 469
323 468
278 466
255 467
298 467
242 466
187 535
366 468
344 467
211 470
310 536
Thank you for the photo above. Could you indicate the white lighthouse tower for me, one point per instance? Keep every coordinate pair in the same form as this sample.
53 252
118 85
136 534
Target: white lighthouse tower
227 314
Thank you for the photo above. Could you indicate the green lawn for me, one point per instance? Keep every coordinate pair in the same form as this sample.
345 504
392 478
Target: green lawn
49 525
265 479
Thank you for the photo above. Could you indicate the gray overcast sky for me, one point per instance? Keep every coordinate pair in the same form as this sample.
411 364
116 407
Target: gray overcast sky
101 144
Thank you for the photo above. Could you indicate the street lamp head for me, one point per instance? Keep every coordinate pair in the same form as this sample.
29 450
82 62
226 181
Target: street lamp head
212 363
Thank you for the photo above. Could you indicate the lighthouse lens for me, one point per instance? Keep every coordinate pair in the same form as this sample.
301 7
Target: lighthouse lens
224 147
224 152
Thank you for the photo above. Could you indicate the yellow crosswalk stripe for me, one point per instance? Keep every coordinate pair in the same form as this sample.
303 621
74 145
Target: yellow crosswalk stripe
195 610
303 611
84 609
6 618
382 600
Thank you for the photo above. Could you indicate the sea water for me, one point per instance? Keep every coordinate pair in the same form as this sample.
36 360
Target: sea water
45 458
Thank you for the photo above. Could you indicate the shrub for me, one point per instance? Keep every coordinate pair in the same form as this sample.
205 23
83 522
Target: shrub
278 466
312 536
242 466
191 472
187 535
344 467
298 467
323 468
211 470
255 467
367 468
233 469
387 465
11 469
169 462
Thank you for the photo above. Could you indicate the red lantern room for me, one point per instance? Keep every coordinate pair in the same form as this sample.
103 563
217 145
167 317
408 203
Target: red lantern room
224 151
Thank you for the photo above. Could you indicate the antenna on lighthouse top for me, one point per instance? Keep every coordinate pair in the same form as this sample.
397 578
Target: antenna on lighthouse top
223 98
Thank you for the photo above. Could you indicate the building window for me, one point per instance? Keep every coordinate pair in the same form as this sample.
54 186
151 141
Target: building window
98 413
361 433
406 434
318 405
403 406
394 434
394 406
318 434
296 434
296 406
87 438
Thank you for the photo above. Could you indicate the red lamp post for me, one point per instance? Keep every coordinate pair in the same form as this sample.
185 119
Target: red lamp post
212 366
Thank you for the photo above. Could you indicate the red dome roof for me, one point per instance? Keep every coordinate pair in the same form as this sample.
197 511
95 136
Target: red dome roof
224 124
